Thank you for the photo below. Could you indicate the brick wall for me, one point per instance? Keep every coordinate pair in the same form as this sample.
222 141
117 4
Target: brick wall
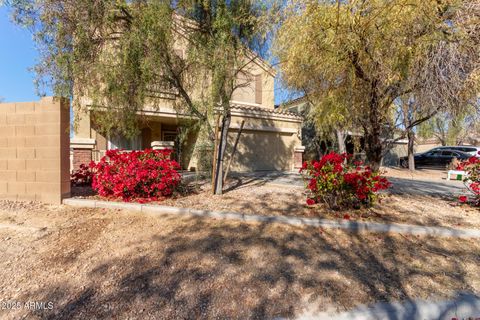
34 150
81 156
298 160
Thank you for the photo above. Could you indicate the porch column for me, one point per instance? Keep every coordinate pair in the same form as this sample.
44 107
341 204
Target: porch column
82 143
298 157
82 151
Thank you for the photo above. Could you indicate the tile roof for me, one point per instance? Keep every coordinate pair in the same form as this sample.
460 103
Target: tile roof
245 107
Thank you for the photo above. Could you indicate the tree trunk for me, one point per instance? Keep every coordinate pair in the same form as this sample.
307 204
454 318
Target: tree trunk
221 153
410 147
373 149
341 141
373 138
373 141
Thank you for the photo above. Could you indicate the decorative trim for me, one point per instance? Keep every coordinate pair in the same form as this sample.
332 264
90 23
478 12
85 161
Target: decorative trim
264 128
152 112
265 110
266 115
82 143
247 104
238 109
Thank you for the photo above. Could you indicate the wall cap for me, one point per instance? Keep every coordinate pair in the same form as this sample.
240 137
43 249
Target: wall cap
82 143
162 143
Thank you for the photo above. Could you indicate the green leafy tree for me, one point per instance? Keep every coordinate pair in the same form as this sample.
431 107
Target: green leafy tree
453 129
368 54
126 55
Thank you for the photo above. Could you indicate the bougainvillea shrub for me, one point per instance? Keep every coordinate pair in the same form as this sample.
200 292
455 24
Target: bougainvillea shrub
336 181
83 176
147 175
472 179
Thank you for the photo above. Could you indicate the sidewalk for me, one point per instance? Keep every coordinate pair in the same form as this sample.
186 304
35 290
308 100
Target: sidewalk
464 306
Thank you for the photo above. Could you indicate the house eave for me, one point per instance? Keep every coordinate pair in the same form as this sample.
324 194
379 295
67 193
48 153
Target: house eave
251 111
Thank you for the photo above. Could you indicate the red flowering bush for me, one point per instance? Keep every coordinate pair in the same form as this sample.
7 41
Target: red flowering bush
339 183
472 178
147 175
82 176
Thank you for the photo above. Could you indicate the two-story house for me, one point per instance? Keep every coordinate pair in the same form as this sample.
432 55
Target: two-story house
270 140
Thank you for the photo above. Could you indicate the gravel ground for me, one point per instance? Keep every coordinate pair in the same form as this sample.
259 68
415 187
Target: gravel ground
260 197
436 206
98 263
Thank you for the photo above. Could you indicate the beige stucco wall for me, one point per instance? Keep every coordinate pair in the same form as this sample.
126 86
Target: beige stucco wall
419 148
256 73
266 143
262 151
34 150
397 151
246 94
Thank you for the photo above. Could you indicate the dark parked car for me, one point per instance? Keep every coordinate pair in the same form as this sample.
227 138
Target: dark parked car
435 158
472 150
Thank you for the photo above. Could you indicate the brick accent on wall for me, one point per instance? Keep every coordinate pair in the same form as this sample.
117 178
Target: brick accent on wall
298 157
34 150
298 160
81 156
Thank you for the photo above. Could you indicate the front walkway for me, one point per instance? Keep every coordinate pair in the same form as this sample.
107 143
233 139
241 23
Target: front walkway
355 226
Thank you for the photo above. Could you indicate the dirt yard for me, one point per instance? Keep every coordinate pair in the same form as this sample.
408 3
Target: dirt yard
253 196
98 263
258 197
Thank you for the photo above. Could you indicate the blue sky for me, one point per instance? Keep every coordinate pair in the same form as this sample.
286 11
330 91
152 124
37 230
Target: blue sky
18 54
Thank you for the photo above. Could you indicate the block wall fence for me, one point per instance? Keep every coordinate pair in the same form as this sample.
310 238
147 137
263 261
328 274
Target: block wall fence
34 150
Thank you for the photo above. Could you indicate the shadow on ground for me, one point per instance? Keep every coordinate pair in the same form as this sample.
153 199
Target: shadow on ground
205 269
415 186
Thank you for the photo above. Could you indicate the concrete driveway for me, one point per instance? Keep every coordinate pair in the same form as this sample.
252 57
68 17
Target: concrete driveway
443 188
414 186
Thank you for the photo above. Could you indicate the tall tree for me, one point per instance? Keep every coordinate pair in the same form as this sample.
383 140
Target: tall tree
370 53
126 55
453 129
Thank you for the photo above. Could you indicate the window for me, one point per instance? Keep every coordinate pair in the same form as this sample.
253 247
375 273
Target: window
120 142
169 136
